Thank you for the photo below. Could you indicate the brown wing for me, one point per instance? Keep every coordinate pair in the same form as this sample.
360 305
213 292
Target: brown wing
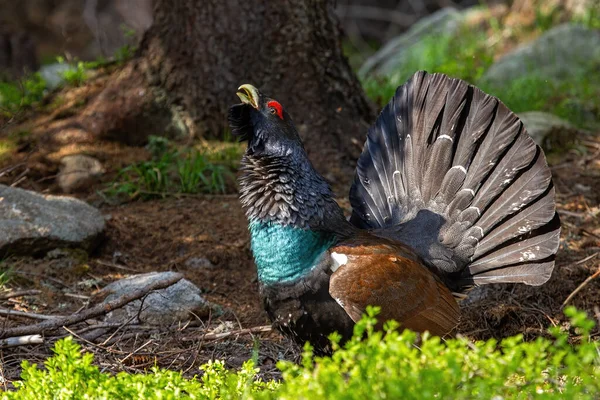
391 278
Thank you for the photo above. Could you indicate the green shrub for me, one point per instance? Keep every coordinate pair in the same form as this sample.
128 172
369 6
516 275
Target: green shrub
71 375
394 366
23 93
197 174
170 171
76 76
385 365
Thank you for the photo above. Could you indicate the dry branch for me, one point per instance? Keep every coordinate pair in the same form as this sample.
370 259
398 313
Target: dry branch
581 286
19 293
223 335
6 312
93 312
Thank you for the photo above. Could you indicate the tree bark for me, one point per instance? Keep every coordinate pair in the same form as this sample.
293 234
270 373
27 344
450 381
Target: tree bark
200 52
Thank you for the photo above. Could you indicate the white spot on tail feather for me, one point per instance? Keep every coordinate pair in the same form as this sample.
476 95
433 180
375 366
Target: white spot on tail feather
480 230
338 260
472 192
460 168
527 255
445 137
524 229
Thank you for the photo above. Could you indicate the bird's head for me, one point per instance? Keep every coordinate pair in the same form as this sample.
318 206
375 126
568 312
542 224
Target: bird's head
263 122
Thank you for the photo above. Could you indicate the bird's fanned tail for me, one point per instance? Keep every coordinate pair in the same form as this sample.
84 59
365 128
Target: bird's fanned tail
451 171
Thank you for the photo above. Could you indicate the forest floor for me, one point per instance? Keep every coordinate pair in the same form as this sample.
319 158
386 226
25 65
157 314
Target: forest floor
163 234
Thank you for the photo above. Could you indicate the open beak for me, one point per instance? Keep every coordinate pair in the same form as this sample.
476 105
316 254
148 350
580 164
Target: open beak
248 94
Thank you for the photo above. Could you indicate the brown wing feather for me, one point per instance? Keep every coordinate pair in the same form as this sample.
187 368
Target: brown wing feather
391 278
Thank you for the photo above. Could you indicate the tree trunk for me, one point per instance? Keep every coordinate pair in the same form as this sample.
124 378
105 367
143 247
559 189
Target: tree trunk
199 52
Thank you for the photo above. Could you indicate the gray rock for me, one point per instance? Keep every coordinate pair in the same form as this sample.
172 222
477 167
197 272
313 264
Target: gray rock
548 130
391 56
53 74
539 124
78 172
558 54
31 223
179 302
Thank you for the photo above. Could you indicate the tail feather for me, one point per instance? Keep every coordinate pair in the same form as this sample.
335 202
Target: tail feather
534 216
533 274
536 248
447 156
515 197
516 159
502 132
479 119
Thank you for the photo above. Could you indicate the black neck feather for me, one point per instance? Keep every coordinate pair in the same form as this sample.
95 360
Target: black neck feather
287 190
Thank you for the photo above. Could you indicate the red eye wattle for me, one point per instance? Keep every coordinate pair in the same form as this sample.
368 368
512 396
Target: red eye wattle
276 108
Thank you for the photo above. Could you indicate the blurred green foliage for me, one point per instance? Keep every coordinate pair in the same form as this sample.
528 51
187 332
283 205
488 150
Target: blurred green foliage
470 51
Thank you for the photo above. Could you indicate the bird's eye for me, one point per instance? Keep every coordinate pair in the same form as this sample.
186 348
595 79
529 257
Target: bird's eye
275 108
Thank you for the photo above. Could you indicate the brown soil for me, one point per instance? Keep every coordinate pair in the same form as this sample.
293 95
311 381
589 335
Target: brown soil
164 234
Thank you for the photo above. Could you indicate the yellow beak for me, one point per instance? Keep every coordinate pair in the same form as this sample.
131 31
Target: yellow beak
248 94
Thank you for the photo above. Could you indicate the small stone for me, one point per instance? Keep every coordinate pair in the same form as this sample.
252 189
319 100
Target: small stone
73 262
224 326
199 263
582 188
547 130
78 172
181 301
54 74
31 223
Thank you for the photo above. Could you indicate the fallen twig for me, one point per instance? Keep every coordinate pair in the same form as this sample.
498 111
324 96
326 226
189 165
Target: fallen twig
136 351
77 296
223 335
74 334
95 311
19 293
4 311
581 286
588 258
21 341
570 213
113 265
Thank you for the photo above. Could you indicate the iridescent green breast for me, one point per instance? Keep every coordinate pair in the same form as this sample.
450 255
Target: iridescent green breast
285 253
